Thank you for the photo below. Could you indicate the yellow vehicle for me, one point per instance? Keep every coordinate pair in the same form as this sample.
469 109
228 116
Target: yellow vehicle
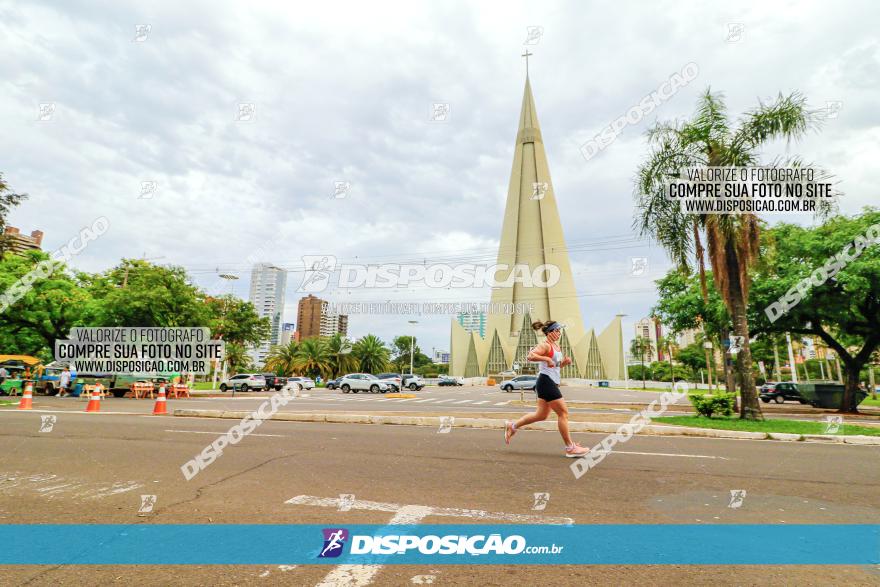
21 368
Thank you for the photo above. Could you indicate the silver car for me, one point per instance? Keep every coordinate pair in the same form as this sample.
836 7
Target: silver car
355 382
305 382
521 382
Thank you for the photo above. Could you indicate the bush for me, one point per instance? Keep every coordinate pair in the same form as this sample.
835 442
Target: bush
707 405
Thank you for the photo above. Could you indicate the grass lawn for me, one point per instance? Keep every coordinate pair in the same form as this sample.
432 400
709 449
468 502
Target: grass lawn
874 403
6 402
203 385
790 426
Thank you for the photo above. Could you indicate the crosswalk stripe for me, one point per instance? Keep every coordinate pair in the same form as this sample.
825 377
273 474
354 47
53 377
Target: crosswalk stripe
478 403
501 404
464 401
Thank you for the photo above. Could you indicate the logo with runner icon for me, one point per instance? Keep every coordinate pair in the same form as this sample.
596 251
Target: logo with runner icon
334 541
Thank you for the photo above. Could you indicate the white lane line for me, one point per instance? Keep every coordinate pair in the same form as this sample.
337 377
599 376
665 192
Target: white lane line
442 401
464 401
666 454
216 433
421 401
478 403
501 403
409 399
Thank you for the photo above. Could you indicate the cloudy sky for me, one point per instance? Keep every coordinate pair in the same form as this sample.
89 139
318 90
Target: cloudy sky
343 91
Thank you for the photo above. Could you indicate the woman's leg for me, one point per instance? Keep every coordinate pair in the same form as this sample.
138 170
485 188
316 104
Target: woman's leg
558 406
541 413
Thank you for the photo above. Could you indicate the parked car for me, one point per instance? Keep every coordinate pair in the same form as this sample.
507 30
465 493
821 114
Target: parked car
521 382
412 382
392 379
779 392
448 380
355 382
306 382
273 381
333 383
244 382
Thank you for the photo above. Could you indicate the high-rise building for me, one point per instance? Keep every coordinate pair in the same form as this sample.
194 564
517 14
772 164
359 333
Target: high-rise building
440 357
288 330
268 287
532 238
651 329
473 322
19 243
315 319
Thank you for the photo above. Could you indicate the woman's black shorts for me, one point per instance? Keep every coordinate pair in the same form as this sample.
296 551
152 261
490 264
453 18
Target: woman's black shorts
547 389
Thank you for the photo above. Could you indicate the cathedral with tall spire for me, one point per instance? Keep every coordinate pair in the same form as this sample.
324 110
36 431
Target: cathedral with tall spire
531 235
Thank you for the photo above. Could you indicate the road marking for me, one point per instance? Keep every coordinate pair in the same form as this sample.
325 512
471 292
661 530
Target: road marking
362 575
73 411
421 401
443 400
216 433
666 454
502 403
464 401
478 403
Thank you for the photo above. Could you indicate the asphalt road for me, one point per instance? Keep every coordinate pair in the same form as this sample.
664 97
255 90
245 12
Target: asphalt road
94 468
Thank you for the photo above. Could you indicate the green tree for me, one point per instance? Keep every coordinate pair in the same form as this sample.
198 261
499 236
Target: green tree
137 293
840 305
282 359
8 201
237 358
236 320
313 357
708 139
642 348
667 343
371 354
39 310
342 359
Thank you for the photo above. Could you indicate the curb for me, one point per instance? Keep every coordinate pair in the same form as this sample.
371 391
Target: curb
491 423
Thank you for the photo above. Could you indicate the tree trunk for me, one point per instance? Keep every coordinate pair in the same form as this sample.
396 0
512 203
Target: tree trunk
729 384
851 388
750 408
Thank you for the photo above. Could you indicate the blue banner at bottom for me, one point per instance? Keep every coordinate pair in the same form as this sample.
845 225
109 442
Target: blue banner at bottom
631 544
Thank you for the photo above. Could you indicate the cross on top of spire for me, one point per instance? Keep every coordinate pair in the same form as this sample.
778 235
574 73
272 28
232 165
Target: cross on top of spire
527 55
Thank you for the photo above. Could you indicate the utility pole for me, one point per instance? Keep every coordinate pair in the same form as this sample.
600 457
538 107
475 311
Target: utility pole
412 341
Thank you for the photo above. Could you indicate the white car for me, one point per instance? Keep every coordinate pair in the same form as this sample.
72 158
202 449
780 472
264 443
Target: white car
355 382
244 382
305 382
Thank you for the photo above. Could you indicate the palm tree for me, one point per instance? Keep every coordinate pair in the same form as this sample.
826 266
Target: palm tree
641 347
236 357
732 240
281 359
371 354
342 360
313 357
666 343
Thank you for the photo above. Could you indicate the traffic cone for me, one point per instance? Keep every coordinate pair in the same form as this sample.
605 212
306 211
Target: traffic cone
159 408
94 404
27 398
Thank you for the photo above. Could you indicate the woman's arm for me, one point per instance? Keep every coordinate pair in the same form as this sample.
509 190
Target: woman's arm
539 354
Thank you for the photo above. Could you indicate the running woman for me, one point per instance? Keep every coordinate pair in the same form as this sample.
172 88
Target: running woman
550 359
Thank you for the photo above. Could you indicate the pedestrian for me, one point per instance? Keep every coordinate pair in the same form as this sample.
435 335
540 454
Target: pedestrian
551 360
3 374
64 383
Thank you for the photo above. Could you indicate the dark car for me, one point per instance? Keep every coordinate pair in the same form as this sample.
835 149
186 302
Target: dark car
779 392
449 381
274 381
332 383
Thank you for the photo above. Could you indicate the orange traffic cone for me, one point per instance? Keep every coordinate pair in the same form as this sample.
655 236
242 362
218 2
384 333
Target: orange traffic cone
159 408
27 398
94 404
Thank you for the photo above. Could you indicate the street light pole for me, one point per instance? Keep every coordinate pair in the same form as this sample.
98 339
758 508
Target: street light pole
231 278
412 341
